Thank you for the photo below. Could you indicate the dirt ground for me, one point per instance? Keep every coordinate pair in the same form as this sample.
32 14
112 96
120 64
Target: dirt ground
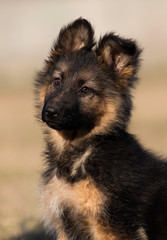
21 146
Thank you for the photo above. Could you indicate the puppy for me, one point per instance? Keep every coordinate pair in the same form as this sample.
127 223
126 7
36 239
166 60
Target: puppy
99 182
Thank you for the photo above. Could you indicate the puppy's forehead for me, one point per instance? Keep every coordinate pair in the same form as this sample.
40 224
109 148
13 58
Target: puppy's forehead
81 56
77 65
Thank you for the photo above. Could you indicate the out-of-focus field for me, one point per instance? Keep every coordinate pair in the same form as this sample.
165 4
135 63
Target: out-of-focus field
21 146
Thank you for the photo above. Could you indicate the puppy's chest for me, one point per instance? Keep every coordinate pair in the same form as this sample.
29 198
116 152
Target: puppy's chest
81 197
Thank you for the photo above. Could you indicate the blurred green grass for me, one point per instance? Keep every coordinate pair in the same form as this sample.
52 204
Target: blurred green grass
21 145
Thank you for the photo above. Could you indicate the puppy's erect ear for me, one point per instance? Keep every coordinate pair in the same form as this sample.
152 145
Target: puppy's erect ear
121 56
79 34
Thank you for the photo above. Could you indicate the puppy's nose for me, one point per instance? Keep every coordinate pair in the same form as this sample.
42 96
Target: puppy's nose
49 113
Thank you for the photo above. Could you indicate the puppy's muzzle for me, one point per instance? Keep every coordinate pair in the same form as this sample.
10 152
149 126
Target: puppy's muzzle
50 115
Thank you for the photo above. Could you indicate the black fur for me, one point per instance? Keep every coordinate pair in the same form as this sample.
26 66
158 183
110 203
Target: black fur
86 109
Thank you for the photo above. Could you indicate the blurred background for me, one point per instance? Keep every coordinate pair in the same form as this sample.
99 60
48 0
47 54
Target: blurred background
27 31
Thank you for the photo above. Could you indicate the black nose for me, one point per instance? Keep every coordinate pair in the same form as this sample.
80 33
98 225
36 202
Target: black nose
49 113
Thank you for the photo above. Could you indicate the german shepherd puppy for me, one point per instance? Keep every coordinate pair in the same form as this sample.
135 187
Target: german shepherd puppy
99 182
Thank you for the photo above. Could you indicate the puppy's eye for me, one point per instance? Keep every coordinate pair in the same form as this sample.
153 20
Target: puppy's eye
56 81
86 90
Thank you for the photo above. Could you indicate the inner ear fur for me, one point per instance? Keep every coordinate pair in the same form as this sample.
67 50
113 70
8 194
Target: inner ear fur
121 56
75 36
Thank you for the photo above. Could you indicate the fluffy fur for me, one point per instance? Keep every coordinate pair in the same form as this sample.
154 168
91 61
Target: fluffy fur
99 182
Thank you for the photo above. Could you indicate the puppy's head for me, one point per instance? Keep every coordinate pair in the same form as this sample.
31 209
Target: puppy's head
85 89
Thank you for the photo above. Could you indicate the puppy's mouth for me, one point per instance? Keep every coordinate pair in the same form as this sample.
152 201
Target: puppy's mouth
54 125
61 126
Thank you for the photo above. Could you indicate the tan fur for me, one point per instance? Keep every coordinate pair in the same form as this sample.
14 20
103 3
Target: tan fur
142 234
63 69
80 162
78 44
58 51
128 71
43 93
100 232
109 116
80 40
88 76
58 193
125 75
107 55
57 139
62 236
